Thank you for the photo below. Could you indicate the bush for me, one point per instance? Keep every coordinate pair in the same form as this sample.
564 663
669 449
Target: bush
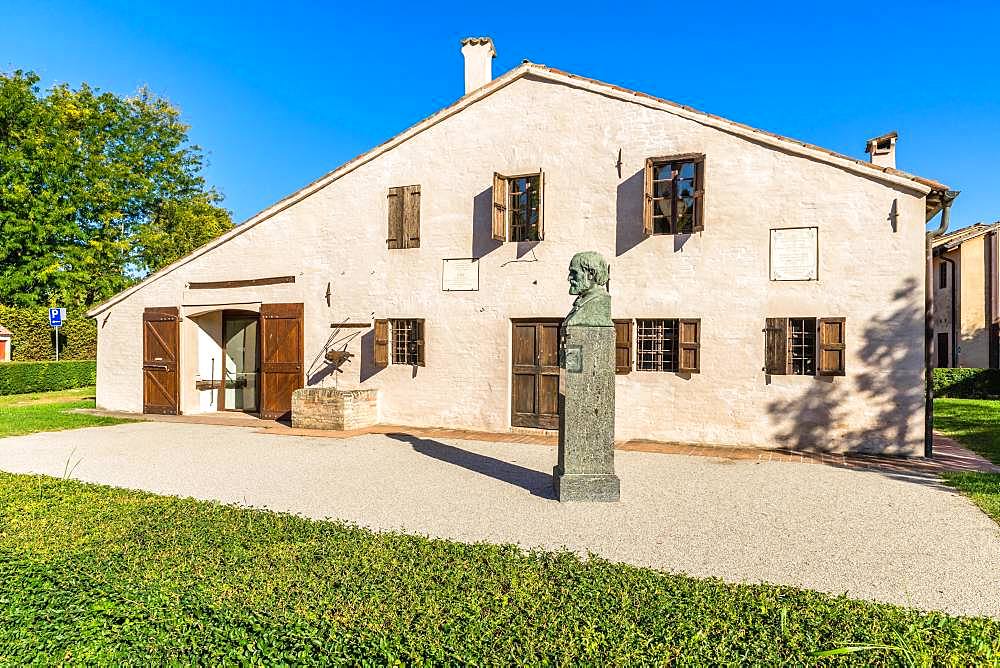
967 383
35 340
24 377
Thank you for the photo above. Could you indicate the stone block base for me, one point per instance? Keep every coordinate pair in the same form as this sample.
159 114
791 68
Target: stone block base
586 486
330 408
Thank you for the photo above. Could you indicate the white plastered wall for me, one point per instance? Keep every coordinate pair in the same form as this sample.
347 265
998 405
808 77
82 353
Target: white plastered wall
868 273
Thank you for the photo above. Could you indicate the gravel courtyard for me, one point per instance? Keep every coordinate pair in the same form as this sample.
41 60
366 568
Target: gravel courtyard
900 540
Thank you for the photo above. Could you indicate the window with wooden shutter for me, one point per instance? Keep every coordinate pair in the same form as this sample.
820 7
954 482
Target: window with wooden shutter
404 217
499 207
407 341
832 340
381 343
672 344
647 200
420 341
394 238
411 216
776 346
689 345
540 234
674 194
623 346
518 207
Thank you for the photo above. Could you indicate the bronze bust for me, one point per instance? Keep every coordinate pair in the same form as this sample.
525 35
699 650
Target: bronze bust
588 280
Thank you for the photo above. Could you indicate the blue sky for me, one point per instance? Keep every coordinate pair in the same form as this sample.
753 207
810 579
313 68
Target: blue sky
279 93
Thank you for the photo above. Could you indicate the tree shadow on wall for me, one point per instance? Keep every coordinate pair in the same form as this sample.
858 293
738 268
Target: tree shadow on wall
891 386
483 242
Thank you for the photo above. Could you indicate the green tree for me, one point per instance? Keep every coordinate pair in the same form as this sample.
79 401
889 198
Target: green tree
96 191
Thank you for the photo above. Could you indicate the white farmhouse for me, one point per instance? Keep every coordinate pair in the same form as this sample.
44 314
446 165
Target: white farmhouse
767 292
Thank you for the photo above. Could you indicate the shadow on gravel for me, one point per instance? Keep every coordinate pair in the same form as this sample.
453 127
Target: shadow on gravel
539 484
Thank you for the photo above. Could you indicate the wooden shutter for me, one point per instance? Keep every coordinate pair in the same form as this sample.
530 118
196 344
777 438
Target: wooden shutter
395 237
776 358
623 346
160 357
382 343
411 217
647 200
689 345
831 338
282 357
420 342
541 204
499 207
699 195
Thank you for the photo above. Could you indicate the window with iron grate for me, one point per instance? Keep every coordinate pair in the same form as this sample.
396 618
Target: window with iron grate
656 345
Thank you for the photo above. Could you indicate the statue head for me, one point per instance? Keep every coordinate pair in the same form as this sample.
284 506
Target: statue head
586 270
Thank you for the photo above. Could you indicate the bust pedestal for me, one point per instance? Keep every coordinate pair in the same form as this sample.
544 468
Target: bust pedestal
586 469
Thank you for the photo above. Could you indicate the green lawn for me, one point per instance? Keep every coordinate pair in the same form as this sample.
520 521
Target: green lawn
975 423
92 574
48 411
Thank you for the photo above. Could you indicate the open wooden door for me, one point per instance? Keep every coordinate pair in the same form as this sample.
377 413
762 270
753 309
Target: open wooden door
160 344
282 358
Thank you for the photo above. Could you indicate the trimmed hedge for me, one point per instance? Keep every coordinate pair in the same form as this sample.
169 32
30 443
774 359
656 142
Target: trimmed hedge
963 383
25 377
34 340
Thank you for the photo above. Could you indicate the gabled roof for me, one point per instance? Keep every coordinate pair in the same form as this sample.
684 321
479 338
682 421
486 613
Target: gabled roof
862 168
5 332
953 240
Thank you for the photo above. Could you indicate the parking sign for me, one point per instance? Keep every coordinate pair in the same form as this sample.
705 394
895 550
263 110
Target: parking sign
57 316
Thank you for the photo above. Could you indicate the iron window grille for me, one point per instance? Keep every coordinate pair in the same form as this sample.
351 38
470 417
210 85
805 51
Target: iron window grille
656 345
802 345
406 342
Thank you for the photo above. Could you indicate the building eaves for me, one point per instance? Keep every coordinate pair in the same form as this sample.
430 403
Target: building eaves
955 239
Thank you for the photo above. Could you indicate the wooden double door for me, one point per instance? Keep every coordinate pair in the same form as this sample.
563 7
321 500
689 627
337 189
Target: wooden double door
282 359
535 373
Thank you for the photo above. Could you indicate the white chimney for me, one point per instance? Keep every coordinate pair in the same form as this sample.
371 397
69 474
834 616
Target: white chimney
479 54
883 150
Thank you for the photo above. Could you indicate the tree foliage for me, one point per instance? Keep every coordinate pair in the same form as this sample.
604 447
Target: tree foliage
96 191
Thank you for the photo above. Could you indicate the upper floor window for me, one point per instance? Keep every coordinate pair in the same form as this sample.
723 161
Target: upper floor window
942 276
404 217
517 207
674 195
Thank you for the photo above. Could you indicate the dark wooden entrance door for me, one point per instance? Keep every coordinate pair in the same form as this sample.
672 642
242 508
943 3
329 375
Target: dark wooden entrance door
281 358
535 381
160 343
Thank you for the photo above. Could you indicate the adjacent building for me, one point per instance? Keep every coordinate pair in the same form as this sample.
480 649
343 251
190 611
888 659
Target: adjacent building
966 308
766 292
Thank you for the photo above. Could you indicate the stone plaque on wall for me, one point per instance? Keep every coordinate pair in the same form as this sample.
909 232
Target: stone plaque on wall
460 274
795 254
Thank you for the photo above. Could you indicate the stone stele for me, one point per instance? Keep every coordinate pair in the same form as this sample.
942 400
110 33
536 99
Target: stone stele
586 467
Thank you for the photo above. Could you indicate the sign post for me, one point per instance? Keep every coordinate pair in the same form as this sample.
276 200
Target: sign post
56 318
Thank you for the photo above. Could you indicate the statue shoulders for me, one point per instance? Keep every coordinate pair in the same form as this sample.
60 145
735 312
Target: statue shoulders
591 310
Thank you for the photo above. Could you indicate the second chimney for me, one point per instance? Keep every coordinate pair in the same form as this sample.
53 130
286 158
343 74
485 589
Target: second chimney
479 54
883 150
